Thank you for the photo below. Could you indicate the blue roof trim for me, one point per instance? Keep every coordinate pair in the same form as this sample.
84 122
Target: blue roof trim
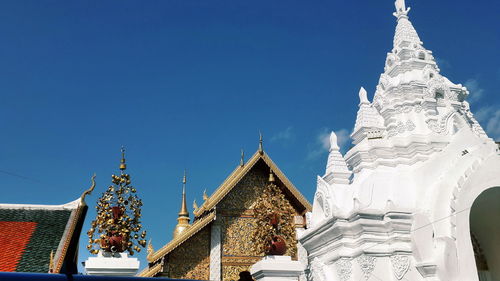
20 276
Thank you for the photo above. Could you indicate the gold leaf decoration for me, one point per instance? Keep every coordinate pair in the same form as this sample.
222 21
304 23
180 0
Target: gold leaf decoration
272 205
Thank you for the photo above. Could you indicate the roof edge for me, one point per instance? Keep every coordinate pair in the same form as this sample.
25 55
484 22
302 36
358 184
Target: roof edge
68 206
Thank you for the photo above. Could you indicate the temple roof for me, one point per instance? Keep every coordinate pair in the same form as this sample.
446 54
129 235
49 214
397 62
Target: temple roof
174 243
206 213
31 234
240 172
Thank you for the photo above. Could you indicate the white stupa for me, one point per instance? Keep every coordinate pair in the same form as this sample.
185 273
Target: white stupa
417 196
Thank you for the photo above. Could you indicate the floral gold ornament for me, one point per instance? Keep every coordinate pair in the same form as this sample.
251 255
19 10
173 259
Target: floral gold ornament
275 232
117 224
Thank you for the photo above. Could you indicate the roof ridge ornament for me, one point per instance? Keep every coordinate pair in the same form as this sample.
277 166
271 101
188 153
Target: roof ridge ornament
401 10
261 147
88 191
242 159
51 262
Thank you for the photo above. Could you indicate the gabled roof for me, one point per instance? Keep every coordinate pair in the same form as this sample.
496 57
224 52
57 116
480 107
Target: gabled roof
240 172
30 233
206 213
181 238
41 238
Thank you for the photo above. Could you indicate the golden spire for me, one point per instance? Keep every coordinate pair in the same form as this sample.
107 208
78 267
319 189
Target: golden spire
183 219
123 166
261 148
242 159
184 211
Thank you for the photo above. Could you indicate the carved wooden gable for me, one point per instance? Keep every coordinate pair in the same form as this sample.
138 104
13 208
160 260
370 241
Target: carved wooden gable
235 212
218 245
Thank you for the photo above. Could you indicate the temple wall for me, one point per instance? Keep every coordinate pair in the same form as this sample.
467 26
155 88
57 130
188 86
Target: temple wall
192 259
238 223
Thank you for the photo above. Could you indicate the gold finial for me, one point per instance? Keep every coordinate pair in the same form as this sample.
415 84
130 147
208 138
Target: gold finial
271 176
150 249
242 159
261 148
51 262
195 205
184 212
183 219
205 196
123 166
88 191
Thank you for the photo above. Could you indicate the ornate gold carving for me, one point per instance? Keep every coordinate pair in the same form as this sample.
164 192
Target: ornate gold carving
274 219
245 193
195 228
240 172
236 240
232 273
192 260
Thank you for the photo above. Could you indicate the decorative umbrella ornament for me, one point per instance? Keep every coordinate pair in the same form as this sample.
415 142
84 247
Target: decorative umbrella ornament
117 226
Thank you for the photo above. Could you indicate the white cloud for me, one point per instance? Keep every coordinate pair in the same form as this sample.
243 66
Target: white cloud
475 91
284 136
322 142
489 117
442 63
483 113
493 125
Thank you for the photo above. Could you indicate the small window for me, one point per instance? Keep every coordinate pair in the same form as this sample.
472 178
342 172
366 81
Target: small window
431 75
421 55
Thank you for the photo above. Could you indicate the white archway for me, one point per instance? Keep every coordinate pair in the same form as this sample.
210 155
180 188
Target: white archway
484 222
485 177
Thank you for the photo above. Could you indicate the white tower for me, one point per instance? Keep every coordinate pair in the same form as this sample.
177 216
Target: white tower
419 162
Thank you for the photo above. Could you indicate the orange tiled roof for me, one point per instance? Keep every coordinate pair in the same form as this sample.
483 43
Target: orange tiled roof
14 236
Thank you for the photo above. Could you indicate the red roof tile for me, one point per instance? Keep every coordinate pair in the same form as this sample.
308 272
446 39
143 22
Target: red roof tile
14 236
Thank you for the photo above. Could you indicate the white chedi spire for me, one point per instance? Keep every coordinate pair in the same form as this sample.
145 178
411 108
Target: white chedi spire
369 123
336 167
415 110
363 96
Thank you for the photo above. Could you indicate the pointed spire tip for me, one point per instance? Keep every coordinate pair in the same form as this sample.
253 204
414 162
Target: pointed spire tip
261 147
123 165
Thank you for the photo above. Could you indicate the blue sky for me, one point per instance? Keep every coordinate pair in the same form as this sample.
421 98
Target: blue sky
187 84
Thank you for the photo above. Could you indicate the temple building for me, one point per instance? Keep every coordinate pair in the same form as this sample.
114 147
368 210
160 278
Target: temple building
416 197
41 238
218 244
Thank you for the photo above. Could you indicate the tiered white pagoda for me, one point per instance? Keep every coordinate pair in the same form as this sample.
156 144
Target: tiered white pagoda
399 205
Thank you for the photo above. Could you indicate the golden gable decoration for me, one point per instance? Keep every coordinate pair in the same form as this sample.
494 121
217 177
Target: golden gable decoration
275 230
220 240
